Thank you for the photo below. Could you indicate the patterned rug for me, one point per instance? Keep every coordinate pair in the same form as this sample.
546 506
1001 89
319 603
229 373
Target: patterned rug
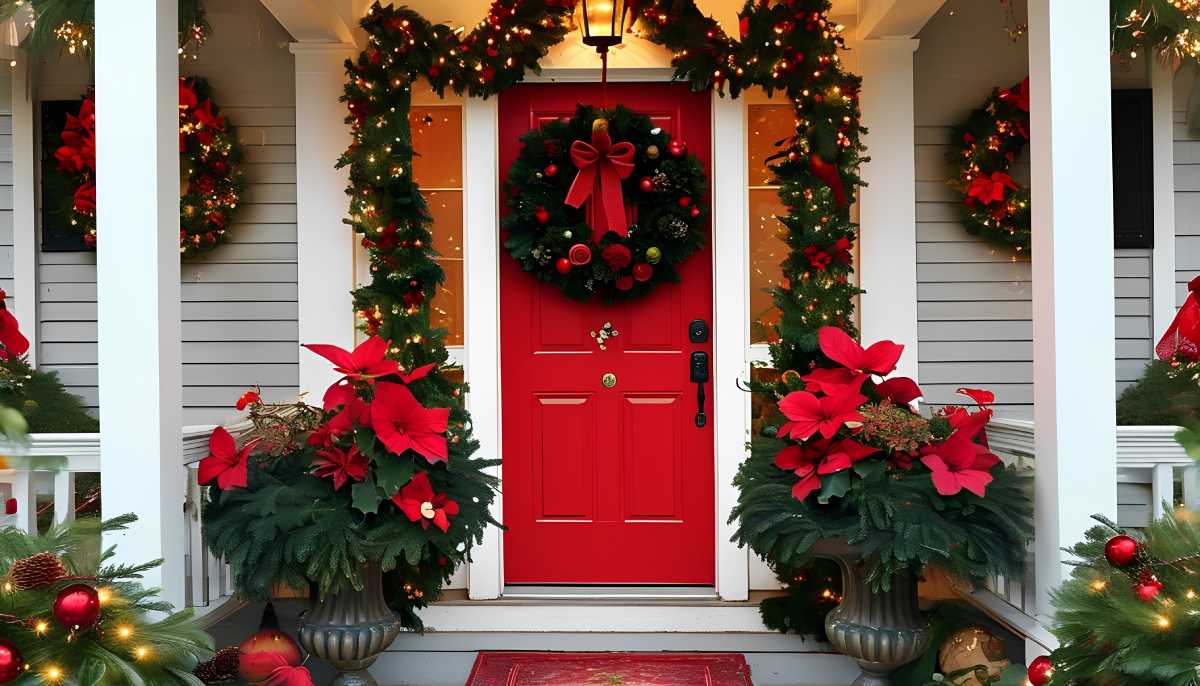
609 669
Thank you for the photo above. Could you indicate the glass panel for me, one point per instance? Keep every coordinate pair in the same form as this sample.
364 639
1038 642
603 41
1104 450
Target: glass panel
767 125
766 253
447 210
437 141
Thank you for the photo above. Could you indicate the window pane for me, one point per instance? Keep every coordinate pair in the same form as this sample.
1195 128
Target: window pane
437 140
768 124
766 253
446 207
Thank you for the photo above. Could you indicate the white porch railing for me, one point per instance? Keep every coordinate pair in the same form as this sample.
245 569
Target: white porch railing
208 588
1149 465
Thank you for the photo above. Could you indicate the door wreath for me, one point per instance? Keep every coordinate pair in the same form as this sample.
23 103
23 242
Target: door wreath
994 205
621 161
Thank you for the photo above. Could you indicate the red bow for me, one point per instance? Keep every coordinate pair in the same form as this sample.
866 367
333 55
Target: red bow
1183 335
988 190
602 164
1018 95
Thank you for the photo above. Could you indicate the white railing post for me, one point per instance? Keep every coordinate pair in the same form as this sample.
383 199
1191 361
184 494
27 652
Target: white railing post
137 260
1162 489
23 493
1191 487
1073 310
24 179
324 245
888 207
64 496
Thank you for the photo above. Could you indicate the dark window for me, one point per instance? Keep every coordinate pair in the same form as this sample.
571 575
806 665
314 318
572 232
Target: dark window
57 191
1133 169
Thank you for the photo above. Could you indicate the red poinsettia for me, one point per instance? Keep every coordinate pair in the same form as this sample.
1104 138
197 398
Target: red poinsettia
900 390
288 675
247 399
340 465
84 199
367 362
816 458
880 358
831 380
402 423
12 342
351 410
225 462
416 374
960 461
990 189
420 504
209 123
1018 96
809 414
616 256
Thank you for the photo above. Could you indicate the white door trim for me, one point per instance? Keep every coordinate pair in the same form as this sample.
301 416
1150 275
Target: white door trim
730 325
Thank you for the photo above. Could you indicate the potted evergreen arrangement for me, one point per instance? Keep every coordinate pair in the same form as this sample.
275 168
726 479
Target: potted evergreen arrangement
844 467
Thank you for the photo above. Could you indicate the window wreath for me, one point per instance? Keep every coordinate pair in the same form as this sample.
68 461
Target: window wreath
210 158
994 205
624 161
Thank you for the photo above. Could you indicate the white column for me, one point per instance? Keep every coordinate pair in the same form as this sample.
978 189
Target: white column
888 206
324 245
481 252
25 240
1162 82
731 330
1074 375
137 258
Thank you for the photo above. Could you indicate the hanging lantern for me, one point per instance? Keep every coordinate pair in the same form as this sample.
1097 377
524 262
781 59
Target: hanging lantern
603 23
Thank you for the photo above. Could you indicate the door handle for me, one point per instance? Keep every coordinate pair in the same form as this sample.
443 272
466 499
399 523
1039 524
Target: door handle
698 371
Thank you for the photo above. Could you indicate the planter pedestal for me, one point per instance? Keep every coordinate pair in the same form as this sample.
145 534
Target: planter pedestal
349 629
880 631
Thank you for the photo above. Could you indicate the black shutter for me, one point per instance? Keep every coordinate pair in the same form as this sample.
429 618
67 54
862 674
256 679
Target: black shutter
57 192
1133 169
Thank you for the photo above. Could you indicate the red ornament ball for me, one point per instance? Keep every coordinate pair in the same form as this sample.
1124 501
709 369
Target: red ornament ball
624 282
12 664
267 650
551 170
1147 588
695 212
646 184
677 148
1121 551
541 215
563 265
642 271
580 254
77 607
1040 671
685 201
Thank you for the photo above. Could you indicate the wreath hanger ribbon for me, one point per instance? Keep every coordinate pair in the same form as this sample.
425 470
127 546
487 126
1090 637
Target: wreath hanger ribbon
602 165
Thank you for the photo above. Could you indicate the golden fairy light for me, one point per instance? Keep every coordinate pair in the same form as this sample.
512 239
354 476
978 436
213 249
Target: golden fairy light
76 36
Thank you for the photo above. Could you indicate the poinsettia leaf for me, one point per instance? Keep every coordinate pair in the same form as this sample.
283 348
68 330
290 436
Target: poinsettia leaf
868 469
364 438
834 486
366 496
393 472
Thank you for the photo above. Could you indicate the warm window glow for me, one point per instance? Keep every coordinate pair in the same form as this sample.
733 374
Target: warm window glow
767 124
437 167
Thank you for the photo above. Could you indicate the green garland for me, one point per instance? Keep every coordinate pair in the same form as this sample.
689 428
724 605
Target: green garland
995 206
1168 27
552 240
69 24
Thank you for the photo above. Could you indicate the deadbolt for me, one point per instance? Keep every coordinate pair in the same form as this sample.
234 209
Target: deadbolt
609 380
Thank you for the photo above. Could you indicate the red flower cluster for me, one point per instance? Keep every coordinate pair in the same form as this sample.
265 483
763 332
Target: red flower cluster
820 258
831 405
372 394
12 342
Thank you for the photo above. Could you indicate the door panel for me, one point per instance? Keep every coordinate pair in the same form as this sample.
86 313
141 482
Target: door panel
605 485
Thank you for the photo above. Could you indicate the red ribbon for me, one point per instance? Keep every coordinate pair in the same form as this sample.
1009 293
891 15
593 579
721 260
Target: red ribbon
602 164
1183 335
988 190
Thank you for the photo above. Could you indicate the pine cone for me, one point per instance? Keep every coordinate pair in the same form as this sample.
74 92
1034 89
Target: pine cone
36 572
221 668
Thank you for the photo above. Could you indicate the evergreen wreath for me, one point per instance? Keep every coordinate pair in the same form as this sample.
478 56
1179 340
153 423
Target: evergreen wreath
994 205
210 159
552 240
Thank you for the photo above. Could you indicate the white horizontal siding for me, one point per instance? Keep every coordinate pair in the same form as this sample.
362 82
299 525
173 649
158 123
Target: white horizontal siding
239 309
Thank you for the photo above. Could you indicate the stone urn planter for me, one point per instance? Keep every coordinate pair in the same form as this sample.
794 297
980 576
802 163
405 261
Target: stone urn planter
880 631
349 629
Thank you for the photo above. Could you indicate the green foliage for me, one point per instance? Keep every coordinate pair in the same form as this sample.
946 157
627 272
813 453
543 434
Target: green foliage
101 656
1109 636
810 592
1159 26
537 247
896 517
51 14
47 406
1160 398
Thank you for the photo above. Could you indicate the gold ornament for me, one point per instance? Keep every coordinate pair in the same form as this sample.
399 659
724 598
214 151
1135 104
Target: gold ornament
652 152
653 255
975 649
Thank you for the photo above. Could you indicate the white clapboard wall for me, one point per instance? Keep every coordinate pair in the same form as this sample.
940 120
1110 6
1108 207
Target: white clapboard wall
1187 187
6 189
239 301
974 298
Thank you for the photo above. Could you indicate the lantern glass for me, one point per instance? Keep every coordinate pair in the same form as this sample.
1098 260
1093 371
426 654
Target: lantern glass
603 22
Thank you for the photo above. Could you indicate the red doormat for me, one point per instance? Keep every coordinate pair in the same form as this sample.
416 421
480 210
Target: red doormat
609 669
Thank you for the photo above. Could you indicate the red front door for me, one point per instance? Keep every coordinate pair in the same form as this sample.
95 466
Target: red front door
605 485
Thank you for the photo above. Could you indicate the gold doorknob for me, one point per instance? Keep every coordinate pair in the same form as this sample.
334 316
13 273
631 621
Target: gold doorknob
609 380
